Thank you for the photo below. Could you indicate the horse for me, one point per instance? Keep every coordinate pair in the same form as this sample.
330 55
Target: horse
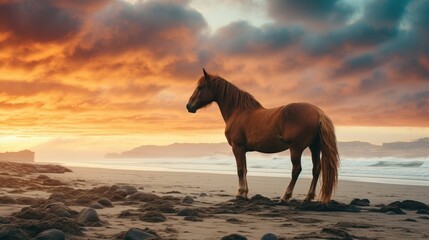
251 127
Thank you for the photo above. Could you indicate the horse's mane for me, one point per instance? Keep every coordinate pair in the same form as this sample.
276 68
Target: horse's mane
233 95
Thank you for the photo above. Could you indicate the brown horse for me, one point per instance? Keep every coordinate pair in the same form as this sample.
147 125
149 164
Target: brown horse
251 127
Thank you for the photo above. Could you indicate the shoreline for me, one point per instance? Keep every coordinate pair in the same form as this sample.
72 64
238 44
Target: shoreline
353 178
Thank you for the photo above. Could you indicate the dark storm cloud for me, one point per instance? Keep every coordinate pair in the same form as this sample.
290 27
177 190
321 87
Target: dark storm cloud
378 24
241 38
161 27
325 12
37 20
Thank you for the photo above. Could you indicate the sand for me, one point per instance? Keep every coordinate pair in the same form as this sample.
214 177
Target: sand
170 205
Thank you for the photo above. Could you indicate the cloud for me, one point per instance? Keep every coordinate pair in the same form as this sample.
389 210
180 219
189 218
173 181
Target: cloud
162 28
310 13
38 21
241 38
115 67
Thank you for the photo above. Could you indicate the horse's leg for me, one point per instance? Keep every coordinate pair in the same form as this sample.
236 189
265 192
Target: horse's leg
315 157
295 156
240 158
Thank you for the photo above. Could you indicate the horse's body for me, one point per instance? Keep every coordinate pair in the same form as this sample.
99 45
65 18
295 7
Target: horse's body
251 127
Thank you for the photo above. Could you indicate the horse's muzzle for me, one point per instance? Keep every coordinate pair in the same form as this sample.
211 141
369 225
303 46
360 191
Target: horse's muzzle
190 108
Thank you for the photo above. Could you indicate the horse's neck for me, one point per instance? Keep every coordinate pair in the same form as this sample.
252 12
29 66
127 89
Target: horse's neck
228 107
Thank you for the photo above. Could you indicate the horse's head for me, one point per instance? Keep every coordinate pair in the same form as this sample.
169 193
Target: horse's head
203 94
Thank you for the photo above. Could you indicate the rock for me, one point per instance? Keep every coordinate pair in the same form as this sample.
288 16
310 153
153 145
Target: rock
60 210
409 205
129 189
4 220
360 202
410 220
187 200
337 232
51 234
127 213
121 192
67 225
234 237
52 182
353 225
42 177
138 234
152 216
158 205
12 233
189 212
422 211
5 199
113 188
203 195
389 210
117 197
261 200
29 213
234 220
96 205
88 217
143 197
269 236
193 219
331 206
58 197
105 202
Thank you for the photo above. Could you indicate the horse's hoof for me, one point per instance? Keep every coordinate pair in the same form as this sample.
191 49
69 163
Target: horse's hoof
283 202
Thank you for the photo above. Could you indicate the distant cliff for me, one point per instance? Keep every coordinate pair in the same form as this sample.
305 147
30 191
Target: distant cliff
414 149
21 156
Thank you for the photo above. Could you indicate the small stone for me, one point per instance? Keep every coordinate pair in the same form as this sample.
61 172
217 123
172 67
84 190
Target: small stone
269 236
105 202
12 232
129 189
138 234
152 216
187 200
189 212
88 216
410 220
96 205
58 197
234 236
234 220
42 177
422 211
144 197
51 234
52 182
193 219
203 195
360 202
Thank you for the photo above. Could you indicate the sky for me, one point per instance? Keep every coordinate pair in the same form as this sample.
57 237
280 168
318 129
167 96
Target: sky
109 75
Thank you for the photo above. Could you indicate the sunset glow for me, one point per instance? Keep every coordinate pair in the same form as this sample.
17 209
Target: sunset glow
109 75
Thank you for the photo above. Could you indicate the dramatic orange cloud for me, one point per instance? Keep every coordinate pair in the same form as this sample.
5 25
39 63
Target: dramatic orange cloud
112 67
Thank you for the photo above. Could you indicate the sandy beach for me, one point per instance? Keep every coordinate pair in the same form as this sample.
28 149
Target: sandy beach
91 203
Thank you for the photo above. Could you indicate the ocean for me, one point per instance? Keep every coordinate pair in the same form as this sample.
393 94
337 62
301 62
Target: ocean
380 170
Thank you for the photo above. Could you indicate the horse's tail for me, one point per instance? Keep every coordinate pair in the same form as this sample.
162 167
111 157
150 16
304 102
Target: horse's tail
330 159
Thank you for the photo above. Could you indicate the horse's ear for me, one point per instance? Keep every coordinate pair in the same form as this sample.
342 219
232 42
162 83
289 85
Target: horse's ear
206 75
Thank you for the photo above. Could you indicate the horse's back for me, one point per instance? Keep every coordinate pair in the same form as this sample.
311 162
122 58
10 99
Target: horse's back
300 122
